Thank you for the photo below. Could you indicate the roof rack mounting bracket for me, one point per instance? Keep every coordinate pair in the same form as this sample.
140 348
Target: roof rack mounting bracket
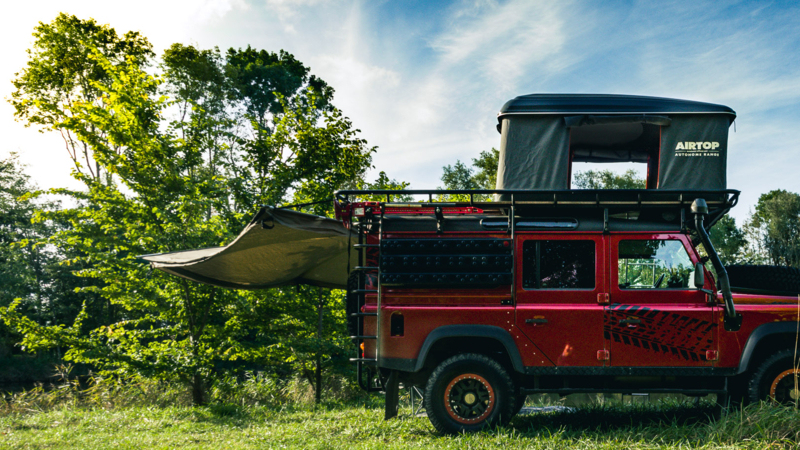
439 219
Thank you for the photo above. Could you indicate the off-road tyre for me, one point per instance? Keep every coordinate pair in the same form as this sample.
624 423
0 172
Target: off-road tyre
469 392
769 279
774 379
351 304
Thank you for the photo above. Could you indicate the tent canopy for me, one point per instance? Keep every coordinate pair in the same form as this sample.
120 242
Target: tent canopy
683 142
278 247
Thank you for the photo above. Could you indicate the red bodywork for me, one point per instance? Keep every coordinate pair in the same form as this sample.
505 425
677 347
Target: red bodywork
677 328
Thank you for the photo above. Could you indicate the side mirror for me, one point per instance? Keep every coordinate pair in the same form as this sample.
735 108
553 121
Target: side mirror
699 276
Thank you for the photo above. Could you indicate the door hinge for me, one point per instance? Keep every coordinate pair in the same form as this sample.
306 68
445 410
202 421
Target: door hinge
603 299
603 355
507 301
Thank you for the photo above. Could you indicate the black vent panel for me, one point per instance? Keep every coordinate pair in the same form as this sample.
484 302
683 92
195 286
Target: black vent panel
446 263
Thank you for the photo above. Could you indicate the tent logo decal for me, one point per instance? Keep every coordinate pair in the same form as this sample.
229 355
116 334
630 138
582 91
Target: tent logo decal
702 148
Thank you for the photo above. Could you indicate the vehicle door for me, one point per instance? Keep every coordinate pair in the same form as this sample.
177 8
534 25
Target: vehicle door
656 316
558 279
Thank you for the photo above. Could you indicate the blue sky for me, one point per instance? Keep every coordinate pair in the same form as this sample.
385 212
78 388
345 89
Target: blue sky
424 80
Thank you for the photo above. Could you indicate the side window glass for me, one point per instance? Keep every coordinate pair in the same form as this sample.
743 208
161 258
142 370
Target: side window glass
558 265
654 264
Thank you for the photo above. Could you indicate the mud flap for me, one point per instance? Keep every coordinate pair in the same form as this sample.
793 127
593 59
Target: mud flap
392 395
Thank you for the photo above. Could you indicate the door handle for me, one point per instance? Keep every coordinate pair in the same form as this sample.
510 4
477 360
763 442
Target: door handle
630 322
536 321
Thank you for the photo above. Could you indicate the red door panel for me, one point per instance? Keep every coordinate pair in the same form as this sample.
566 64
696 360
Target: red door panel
566 324
656 322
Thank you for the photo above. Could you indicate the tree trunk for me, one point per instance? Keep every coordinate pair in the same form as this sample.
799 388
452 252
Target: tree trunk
198 391
318 369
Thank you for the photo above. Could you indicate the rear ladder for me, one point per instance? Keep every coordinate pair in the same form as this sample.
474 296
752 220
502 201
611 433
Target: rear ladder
367 371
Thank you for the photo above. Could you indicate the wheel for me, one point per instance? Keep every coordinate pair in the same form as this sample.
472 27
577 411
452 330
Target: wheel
776 379
468 392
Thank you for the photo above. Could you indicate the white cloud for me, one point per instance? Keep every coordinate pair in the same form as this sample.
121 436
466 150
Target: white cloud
289 9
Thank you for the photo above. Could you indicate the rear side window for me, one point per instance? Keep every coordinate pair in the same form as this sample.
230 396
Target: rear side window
558 264
654 264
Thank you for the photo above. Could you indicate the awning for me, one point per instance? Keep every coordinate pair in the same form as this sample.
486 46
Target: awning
278 247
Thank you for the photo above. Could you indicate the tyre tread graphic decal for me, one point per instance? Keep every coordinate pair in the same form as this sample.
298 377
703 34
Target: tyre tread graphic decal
659 331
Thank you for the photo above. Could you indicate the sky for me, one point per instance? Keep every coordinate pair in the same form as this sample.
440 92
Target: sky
424 80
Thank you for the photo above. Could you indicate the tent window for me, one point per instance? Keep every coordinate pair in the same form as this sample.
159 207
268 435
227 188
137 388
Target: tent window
630 142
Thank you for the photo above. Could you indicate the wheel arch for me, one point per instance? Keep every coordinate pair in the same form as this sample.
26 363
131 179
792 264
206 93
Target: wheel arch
766 340
454 339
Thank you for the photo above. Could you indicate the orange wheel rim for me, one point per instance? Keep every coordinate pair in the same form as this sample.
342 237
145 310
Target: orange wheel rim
783 388
469 398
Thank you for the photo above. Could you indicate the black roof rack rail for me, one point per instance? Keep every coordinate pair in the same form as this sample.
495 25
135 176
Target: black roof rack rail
576 198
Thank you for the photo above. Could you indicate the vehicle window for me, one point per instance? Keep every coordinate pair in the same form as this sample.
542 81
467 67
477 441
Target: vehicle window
654 264
558 265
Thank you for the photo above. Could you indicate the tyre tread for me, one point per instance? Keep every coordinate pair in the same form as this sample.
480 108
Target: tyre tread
754 383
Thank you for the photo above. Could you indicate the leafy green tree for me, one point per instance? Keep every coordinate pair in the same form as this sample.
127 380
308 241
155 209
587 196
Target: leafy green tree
775 226
729 241
62 71
31 270
606 179
485 165
483 175
188 154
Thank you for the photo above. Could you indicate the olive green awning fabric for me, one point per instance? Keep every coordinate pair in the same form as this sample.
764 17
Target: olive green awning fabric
278 247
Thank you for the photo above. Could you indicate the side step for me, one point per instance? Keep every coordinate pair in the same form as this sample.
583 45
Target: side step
567 391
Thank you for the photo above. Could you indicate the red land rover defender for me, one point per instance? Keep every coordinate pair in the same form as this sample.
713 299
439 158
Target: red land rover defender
550 290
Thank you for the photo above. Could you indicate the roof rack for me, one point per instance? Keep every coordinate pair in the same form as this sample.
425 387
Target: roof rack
579 198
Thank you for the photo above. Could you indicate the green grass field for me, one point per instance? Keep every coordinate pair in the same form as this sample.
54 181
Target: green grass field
666 425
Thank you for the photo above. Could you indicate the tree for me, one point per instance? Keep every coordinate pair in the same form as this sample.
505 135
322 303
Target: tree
187 156
729 241
483 175
606 179
63 71
486 169
30 270
775 224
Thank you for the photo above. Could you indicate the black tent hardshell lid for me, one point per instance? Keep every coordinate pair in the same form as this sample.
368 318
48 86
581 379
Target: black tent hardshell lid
684 142
278 247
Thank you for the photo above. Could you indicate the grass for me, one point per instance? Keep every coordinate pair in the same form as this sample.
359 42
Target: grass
330 426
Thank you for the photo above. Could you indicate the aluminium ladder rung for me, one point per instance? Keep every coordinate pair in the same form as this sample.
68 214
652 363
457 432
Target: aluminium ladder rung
363 337
363 314
363 360
364 268
364 291
366 245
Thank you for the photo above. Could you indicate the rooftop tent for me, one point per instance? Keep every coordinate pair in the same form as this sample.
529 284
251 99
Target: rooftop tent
684 143
278 247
